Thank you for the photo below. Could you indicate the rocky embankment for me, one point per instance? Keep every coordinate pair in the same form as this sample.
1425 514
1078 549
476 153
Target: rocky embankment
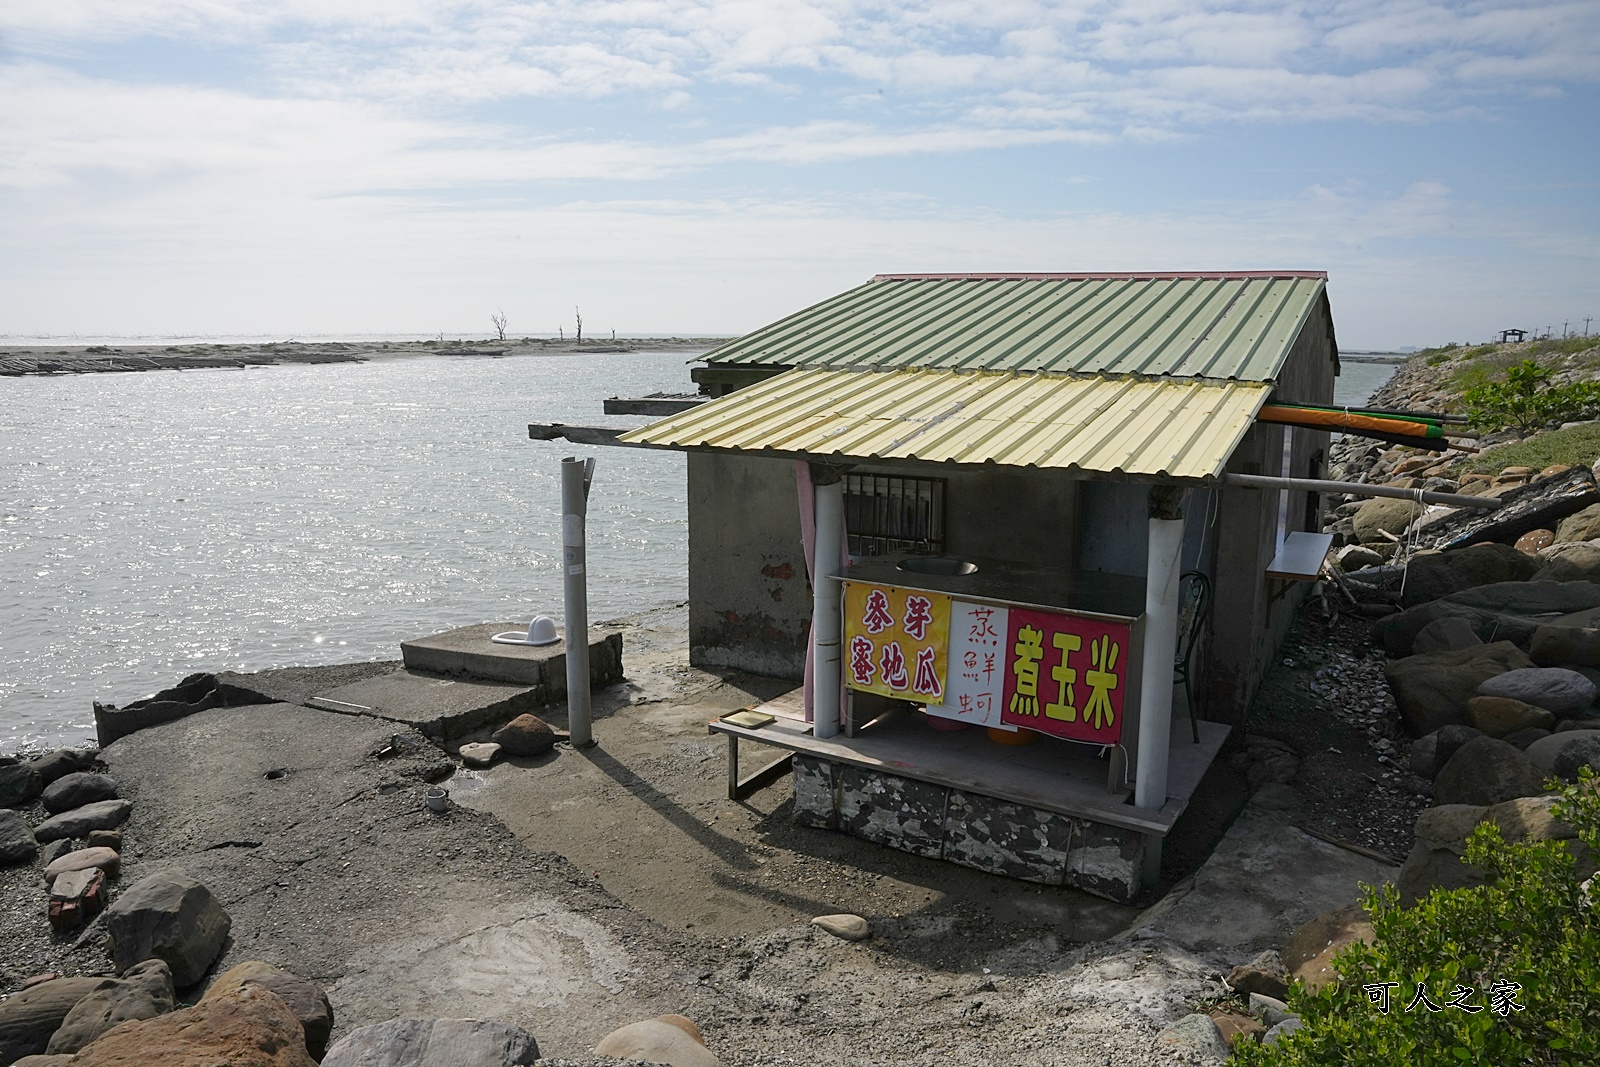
1490 619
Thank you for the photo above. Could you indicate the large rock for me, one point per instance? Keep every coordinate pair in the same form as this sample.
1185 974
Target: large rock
17 843
75 897
1441 840
19 785
64 761
1506 611
1385 514
1487 771
77 789
1539 505
251 1027
1571 563
526 735
28 1018
1573 757
305 999
1263 975
142 993
1523 738
105 815
434 1043
1450 634
1438 574
1309 953
670 1039
1501 716
1544 751
1432 690
1197 1034
1580 526
106 859
171 917
1560 691
1565 646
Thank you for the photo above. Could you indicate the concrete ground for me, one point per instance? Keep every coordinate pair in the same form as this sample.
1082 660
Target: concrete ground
582 890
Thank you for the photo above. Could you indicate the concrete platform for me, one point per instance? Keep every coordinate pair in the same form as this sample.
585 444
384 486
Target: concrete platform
468 652
445 709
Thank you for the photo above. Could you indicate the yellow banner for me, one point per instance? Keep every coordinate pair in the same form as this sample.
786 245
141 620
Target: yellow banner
896 641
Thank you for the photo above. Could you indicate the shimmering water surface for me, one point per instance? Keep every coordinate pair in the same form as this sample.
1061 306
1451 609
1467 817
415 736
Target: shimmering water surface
156 524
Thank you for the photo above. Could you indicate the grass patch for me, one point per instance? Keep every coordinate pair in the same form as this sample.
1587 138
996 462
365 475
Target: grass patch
1578 445
1564 346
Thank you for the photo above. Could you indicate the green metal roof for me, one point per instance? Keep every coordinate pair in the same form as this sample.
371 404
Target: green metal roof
1228 325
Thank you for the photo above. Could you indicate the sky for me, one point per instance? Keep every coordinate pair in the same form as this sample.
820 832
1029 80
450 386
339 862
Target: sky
299 167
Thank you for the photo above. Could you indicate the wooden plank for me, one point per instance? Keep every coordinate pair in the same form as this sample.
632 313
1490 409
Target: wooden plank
652 405
1047 775
1300 558
579 435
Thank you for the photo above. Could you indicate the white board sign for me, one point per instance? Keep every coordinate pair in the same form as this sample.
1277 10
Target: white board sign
975 678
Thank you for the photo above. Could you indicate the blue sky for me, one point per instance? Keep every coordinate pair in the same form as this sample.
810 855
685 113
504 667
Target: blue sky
311 166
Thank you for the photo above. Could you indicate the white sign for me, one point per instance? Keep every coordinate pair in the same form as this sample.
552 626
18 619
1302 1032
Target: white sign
975 677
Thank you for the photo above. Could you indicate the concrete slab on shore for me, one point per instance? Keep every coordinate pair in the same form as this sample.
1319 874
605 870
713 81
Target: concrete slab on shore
468 651
445 709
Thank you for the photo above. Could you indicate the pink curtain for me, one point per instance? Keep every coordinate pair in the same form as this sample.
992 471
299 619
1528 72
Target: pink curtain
808 538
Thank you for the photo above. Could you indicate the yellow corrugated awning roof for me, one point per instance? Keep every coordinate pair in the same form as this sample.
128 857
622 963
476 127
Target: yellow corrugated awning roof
1160 427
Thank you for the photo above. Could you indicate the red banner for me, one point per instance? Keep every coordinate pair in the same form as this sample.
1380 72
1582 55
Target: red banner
1066 675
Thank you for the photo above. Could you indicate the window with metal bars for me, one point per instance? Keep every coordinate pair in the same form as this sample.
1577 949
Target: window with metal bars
892 513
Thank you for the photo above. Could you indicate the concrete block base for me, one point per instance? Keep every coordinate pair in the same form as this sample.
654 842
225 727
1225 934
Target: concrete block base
971 829
468 653
445 709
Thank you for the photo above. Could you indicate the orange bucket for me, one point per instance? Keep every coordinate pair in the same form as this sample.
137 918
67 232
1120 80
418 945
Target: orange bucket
1012 737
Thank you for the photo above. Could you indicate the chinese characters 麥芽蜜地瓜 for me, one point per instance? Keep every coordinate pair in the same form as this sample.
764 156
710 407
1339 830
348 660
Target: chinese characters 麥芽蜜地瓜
896 641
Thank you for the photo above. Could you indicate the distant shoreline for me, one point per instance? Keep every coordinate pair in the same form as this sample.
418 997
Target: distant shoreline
37 360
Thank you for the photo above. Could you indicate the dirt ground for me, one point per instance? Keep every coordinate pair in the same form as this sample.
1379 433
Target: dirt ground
575 892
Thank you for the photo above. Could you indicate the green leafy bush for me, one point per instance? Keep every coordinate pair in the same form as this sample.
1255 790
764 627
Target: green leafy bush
1526 401
1510 969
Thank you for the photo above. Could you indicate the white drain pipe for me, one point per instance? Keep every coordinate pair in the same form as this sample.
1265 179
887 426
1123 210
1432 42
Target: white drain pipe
1164 561
576 475
827 548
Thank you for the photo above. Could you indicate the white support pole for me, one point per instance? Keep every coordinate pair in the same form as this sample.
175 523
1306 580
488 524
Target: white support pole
576 474
1160 646
828 505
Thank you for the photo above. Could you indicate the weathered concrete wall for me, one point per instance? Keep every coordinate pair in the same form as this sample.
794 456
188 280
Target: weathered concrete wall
968 828
749 600
1247 626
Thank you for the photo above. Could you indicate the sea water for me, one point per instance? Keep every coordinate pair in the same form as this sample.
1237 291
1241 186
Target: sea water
161 523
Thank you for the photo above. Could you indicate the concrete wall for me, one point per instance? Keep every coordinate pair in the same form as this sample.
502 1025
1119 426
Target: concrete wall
1247 626
749 600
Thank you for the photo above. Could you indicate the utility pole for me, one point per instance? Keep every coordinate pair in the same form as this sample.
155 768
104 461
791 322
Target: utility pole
1564 326
1586 320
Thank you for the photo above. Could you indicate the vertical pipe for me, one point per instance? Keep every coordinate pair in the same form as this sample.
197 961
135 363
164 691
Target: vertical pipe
825 616
1160 646
575 476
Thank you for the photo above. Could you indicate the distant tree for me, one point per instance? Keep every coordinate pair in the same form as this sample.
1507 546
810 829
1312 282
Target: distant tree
578 312
499 319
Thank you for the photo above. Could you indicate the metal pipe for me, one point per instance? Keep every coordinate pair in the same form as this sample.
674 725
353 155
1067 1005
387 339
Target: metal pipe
1318 485
826 623
1163 557
576 475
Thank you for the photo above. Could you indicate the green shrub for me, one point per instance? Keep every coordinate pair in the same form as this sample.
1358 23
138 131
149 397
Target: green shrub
1526 401
1523 950
1565 346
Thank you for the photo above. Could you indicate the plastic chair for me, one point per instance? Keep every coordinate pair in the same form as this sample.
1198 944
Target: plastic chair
1194 600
